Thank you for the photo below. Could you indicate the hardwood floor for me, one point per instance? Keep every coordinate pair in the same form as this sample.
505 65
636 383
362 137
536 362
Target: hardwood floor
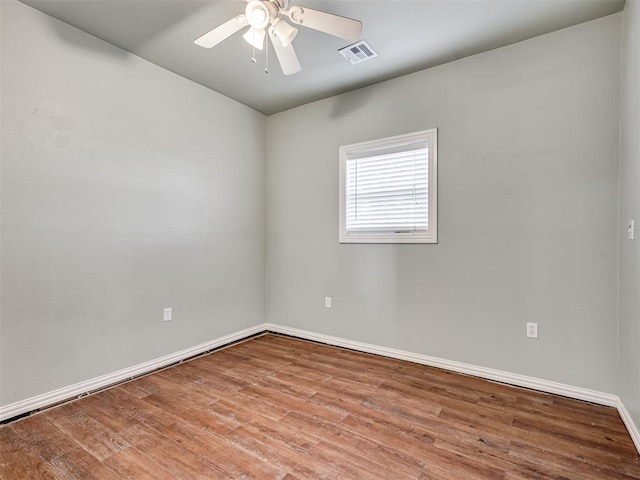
278 408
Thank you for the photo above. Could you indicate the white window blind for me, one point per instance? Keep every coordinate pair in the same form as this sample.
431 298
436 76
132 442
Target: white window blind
387 190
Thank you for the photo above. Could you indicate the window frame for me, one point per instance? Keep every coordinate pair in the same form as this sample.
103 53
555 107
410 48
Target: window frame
431 236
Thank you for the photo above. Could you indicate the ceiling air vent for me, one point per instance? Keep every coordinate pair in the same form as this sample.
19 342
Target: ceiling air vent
358 52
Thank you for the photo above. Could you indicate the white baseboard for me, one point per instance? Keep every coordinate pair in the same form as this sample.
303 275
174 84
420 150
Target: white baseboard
539 384
79 389
628 422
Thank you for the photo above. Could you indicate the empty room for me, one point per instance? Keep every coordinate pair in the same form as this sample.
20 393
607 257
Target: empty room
304 239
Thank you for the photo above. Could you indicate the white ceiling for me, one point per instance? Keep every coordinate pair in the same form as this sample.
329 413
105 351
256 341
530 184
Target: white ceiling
408 35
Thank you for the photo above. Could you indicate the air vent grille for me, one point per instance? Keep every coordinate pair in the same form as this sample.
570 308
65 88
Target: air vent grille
358 52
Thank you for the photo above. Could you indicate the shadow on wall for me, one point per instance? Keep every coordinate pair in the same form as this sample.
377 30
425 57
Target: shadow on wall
138 22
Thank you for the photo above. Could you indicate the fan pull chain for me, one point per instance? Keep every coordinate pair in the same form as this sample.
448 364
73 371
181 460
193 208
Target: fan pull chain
253 44
266 56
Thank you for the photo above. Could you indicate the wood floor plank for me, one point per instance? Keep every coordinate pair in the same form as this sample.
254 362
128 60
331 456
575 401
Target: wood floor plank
585 434
79 463
99 441
141 409
105 410
18 460
279 408
347 465
180 462
400 406
130 463
242 415
378 456
212 378
68 466
221 450
548 461
448 464
42 436
609 458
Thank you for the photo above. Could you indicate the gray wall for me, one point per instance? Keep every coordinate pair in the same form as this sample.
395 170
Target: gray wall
629 322
125 189
528 208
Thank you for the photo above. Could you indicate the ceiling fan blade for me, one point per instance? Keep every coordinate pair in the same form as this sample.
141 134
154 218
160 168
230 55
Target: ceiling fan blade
222 32
286 55
342 27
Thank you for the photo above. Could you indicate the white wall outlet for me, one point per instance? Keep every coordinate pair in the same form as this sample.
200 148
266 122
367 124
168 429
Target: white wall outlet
167 314
532 330
630 229
327 302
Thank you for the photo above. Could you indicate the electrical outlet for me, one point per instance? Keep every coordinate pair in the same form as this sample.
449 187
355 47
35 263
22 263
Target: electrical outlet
327 302
630 229
532 330
167 314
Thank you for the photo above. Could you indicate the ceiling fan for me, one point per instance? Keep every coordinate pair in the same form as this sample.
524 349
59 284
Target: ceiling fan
264 17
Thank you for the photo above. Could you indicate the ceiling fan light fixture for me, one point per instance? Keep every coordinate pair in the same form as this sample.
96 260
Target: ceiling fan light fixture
255 38
284 32
258 14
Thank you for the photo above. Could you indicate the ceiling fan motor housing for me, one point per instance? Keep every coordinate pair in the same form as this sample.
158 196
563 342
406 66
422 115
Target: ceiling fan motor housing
282 4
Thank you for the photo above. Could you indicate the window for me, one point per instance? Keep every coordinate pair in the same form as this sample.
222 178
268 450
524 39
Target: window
388 190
